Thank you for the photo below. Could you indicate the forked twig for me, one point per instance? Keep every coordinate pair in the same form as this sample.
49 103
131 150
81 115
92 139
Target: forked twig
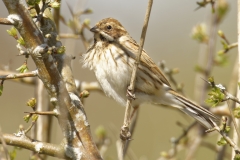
221 130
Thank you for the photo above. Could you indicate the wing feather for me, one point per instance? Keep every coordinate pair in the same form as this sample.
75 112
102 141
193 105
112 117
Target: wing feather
131 47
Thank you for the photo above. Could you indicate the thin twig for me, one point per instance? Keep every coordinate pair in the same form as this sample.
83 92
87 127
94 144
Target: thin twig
228 97
233 119
232 88
48 113
69 35
132 127
225 136
30 144
19 75
194 146
230 46
30 127
176 142
125 128
89 86
40 130
233 45
214 148
5 21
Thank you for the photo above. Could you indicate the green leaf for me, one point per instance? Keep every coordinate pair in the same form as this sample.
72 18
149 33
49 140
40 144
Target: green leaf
12 32
211 79
221 52
86 22
21 41
202 4
215 97
84 94
199 69
221 60
221 34
61 50
237 156
101 132
87 11
227 129
71 24
199 33
222 9
55 4
13 153
225 45
23 68
164 154
222 142
27 118
31 102
34 118
236 112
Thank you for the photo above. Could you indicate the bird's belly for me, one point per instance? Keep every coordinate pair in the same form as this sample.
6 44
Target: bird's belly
114 77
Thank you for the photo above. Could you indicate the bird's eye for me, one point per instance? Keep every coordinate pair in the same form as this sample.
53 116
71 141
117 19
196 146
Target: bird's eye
109 27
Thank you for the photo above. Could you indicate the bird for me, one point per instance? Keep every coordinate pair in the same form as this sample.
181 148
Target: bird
112 56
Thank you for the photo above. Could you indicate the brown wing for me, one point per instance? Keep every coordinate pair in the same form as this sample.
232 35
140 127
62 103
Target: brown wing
132 48
148 62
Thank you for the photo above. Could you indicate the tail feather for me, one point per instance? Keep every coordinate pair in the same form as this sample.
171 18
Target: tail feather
205 117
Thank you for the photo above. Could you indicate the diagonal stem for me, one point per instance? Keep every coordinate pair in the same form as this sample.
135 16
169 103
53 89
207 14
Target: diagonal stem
127 116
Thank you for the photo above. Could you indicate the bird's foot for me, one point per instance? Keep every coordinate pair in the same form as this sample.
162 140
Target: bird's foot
130 95
125 134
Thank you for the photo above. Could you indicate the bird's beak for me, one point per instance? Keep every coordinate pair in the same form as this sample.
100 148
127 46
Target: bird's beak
94 29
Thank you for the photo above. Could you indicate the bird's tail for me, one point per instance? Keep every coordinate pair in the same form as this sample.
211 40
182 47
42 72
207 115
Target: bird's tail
202 115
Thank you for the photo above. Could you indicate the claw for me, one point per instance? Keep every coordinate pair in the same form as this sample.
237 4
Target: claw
130 95
125 135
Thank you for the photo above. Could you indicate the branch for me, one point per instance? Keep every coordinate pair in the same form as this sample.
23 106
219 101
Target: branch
176 143
224 135
5 21
125 134
77 27
19 75
39 147
68 35
228 47
4 145
29 79
61 87
228 96
48 113
89 86
220 110
215 149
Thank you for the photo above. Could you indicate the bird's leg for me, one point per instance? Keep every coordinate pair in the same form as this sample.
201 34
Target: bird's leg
125 134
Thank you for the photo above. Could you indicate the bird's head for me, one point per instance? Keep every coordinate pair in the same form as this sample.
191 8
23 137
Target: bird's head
108 29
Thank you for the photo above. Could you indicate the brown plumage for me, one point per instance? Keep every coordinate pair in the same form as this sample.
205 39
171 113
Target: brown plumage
112 57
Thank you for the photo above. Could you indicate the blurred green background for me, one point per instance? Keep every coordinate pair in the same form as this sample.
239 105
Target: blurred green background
168 38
